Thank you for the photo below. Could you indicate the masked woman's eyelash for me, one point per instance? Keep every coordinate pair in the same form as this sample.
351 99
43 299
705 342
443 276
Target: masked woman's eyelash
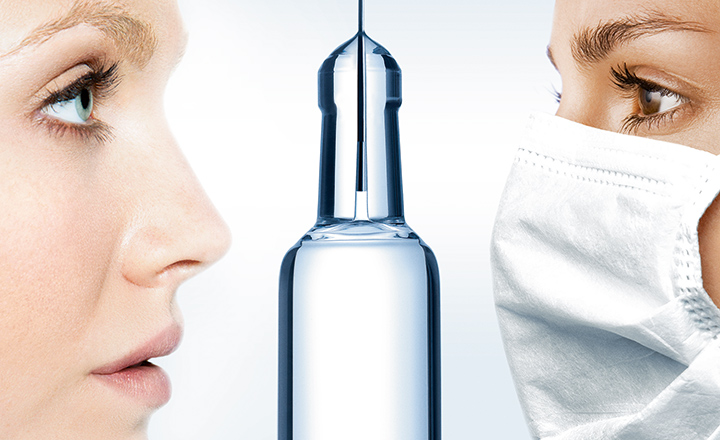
629 82
101 81
557 95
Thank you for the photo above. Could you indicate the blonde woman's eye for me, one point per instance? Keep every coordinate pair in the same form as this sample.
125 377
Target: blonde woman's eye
76 110
658 101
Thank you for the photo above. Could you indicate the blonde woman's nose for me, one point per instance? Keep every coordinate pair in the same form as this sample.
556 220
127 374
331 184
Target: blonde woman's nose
175 231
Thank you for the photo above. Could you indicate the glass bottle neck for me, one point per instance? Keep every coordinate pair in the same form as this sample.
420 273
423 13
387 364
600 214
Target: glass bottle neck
359 96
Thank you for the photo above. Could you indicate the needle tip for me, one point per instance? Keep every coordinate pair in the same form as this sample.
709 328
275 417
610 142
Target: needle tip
361 16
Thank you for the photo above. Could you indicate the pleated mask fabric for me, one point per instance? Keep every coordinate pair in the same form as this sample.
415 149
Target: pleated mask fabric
608 331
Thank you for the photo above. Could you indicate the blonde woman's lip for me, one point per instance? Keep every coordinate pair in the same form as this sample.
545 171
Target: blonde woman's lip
135 376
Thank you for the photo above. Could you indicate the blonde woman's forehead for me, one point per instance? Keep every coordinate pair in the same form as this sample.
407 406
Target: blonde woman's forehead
133 24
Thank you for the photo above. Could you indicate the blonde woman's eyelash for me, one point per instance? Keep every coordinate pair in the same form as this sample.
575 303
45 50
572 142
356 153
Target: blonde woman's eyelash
95 130
102 81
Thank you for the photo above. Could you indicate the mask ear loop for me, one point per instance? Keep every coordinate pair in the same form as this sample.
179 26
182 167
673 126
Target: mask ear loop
688 270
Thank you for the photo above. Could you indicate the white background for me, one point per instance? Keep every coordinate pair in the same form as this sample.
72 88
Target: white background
243 105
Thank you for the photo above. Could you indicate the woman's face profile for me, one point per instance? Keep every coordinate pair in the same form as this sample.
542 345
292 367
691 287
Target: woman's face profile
101 217
649 68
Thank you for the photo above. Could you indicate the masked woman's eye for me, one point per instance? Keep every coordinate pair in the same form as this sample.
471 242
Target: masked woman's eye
654 105
76 110
658 101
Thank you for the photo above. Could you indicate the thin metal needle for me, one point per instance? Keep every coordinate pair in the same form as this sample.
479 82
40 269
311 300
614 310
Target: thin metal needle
361 104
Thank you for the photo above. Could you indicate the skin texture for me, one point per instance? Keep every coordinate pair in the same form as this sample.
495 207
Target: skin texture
673 45
97 234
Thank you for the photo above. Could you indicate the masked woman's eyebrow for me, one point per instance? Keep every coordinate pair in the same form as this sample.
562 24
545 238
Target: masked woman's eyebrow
594 44
134 37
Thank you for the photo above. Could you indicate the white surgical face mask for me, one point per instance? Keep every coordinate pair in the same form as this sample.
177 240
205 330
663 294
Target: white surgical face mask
607 328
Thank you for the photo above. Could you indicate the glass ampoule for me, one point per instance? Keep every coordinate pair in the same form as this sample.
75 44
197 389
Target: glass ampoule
359 332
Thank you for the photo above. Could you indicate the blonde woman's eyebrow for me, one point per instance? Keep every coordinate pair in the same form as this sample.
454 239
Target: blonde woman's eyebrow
135 38
594 44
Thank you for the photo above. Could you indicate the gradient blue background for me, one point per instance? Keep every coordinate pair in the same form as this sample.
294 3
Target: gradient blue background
243 105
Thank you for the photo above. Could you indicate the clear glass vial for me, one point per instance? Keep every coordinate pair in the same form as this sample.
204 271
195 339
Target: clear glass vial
359 333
